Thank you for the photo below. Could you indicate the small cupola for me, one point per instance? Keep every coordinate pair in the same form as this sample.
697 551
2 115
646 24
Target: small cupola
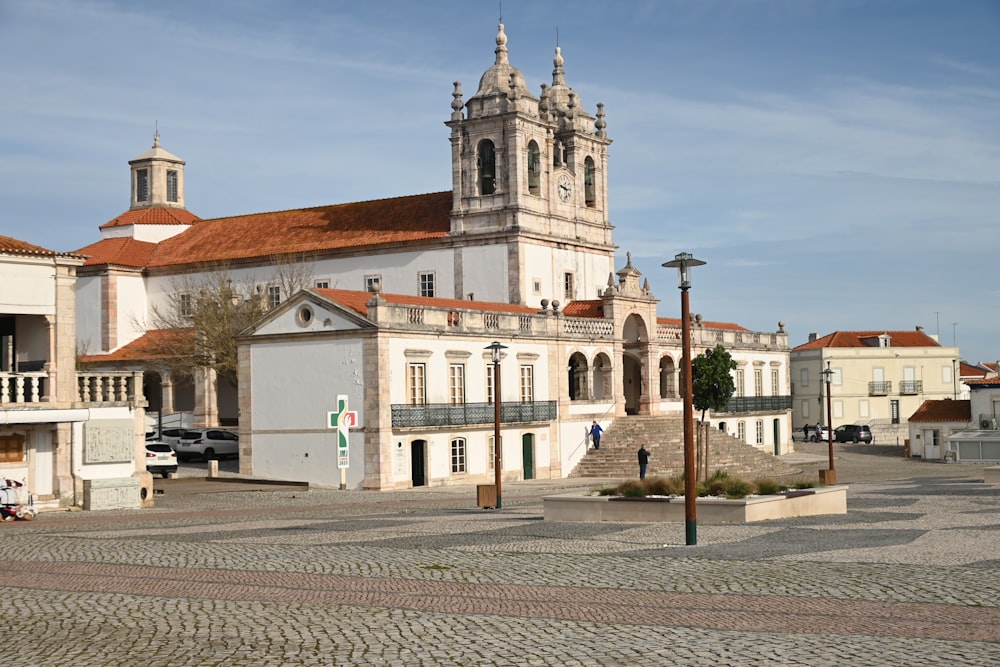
157 179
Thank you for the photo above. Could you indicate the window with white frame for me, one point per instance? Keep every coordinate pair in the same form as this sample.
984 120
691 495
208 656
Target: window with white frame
322 283
527 384
185 305
456 383
804 408
804 377
416 383
569 288
273 296
374 283
740 381
491 452
741 431
838 409
759 437
458 455
490 398
426 283
758 382
863 409
946 374
172 185
775 385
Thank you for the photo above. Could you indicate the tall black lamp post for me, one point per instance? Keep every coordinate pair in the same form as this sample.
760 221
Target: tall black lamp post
828 476
495 348
683 263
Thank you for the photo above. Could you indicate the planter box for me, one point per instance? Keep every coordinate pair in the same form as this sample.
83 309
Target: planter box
807 502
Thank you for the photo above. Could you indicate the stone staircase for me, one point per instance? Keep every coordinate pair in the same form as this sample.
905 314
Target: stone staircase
664 438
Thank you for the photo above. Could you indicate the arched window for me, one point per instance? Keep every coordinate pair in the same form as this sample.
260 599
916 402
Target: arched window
486 160
589 189
534 168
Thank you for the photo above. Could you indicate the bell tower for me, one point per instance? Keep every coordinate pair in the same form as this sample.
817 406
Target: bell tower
157 179
533 170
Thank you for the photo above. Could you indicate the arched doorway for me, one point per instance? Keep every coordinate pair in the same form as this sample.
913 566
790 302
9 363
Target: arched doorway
601 379
668 378
635 342
632 379
579 389
418 465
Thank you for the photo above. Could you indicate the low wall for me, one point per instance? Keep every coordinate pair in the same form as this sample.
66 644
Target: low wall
991 475
807 502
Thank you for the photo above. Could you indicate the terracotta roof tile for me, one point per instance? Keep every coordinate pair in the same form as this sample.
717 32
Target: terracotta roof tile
12 245
357 301
589 308
352 225
676 322
943 411
966 370
864 339
993 381
155 215
122 251
148 346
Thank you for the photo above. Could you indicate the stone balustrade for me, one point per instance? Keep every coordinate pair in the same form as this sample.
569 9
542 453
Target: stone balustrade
109 387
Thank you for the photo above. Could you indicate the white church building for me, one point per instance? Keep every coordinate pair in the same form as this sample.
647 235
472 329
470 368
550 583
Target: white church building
405 296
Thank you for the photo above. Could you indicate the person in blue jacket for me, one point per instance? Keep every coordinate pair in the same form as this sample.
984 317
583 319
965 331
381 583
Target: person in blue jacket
595 433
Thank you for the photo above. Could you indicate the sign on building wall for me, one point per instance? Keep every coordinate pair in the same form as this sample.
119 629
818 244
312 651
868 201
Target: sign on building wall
111 441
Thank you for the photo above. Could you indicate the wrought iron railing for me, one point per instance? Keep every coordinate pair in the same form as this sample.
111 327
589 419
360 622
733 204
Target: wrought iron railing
759 404
879 388
445 414
911 386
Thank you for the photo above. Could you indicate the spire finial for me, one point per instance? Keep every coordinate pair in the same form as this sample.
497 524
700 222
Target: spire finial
501 46
156 134
558 75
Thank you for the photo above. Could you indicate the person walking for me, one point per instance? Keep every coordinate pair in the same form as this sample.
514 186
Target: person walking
643 461
595 434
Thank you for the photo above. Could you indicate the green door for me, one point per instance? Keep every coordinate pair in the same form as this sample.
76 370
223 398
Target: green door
528 455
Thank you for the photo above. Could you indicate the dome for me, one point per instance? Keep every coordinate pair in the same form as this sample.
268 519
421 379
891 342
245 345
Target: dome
496 80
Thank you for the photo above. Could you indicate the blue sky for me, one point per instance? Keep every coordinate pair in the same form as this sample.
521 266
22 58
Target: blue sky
836 162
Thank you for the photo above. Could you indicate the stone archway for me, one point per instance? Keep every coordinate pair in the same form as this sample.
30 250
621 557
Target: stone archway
601 378
668 378
579 383
632 383
635 371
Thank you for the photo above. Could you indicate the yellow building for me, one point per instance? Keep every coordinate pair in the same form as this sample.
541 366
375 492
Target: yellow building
877 377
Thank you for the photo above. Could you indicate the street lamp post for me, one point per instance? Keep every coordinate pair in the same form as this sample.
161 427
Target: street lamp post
828 476
495 348
683 263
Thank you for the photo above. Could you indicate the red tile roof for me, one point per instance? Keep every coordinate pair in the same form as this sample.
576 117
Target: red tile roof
353 225
155 215
993 381
595 308
14 246
122 251
151 345
943 411
969 371
858 339
357 301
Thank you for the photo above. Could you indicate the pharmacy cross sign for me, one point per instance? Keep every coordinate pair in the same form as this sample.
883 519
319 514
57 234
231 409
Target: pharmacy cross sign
342 420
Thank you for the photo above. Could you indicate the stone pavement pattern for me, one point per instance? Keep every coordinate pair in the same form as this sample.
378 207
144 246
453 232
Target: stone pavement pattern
325 577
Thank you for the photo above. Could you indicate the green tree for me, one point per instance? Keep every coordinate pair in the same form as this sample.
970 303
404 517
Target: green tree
711 379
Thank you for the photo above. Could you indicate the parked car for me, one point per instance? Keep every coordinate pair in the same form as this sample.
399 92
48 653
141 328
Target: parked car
853 433
160 458
171 436
820 434
208 443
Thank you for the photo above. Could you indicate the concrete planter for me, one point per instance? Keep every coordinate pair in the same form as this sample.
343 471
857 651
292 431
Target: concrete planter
807 502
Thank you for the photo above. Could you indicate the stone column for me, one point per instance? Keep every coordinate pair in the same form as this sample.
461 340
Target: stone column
206 405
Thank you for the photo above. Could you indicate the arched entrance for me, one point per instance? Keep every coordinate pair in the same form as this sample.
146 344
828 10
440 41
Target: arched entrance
668 378
632 380
579 389
635 342
601 381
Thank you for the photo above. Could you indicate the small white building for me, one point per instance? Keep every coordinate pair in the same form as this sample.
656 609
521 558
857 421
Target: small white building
73 439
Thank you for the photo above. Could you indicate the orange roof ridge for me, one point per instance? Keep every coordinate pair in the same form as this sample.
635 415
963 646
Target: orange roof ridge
154 215
323 206
357 300
120 251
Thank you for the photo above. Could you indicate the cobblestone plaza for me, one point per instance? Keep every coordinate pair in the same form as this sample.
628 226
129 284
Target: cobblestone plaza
283 576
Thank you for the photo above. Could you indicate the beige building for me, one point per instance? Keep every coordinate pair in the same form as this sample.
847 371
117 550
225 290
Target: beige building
878 378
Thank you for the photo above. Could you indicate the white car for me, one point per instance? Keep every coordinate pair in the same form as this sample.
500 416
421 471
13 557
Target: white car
171 436
160 458
821 435
208 443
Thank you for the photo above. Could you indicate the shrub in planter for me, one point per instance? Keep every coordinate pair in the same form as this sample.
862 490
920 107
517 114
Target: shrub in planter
605 491
658 486
803 484
737 488
768 487
631 489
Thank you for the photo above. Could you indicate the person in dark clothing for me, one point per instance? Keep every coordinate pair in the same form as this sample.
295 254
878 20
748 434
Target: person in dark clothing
643 461
595 433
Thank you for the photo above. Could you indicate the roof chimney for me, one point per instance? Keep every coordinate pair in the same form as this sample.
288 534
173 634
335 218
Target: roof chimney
812 337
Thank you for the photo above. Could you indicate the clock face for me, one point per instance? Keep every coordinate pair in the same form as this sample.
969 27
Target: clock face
565 188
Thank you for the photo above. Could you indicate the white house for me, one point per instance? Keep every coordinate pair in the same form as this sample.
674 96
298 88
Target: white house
73 439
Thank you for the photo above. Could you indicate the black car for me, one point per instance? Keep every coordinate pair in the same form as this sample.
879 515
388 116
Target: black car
853 433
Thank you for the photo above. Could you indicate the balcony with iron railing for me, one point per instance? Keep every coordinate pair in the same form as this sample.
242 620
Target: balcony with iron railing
758 404
911 387
879 388
446 414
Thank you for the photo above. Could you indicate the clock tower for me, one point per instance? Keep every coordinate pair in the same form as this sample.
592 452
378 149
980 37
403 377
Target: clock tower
529 174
